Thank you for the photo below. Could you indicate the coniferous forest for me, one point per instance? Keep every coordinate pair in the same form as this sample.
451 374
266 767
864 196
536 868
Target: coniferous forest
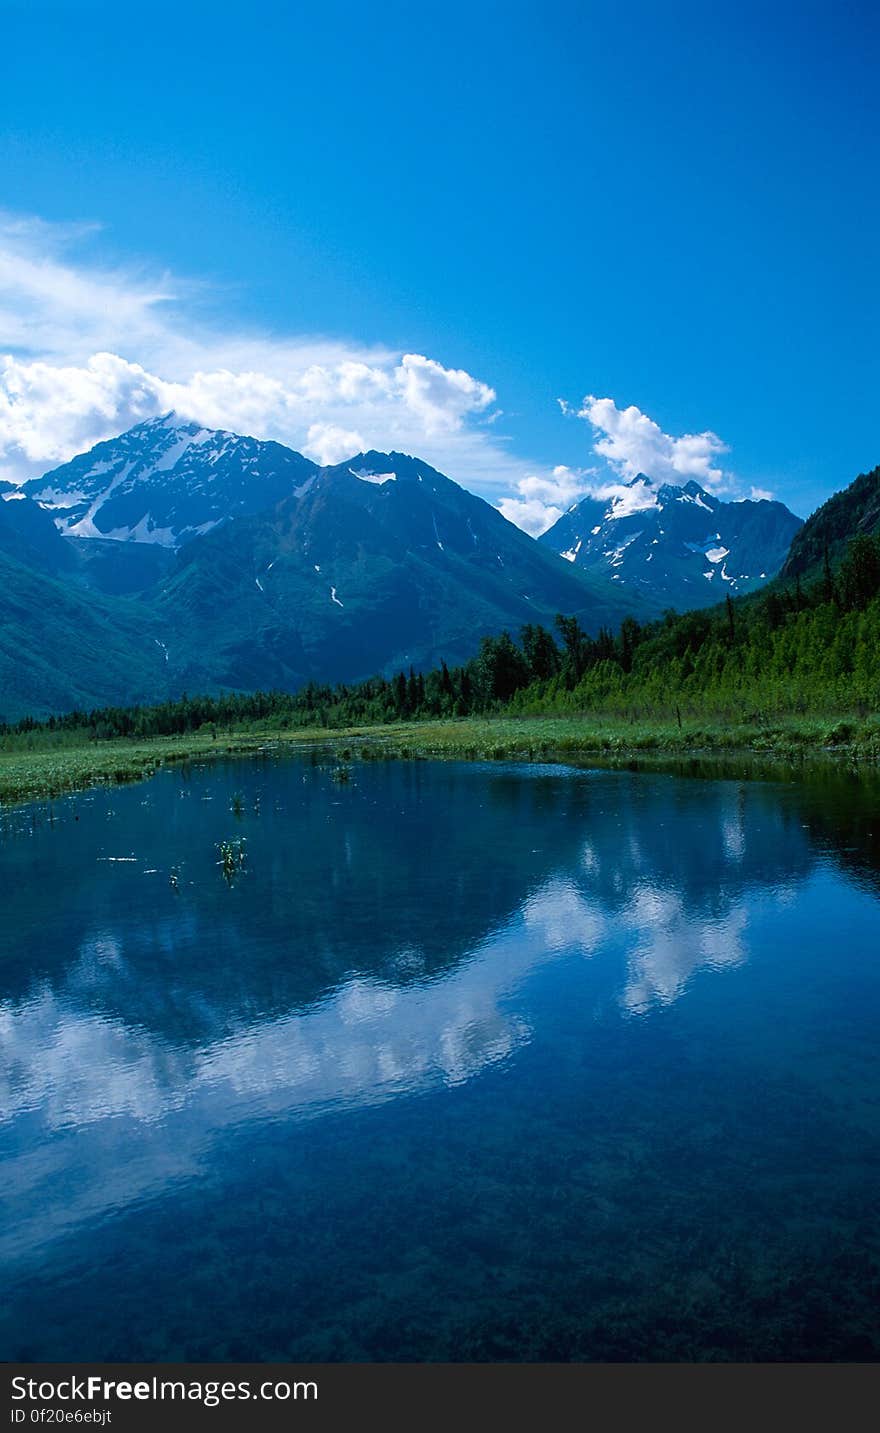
804 646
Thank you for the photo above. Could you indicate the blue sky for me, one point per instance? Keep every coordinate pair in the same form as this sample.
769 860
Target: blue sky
671 207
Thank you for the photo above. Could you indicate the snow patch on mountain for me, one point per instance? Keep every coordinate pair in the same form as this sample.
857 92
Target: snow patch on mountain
167 481
658 539
368 477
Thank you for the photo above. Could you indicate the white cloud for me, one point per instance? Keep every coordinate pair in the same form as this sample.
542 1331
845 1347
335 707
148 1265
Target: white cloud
633 443
92 349
761 495
441 397
327 444
50 411
541 501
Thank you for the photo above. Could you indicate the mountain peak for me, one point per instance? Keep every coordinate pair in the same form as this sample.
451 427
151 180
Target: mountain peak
381 468
680 543
381 564
166 481
376 460
172 421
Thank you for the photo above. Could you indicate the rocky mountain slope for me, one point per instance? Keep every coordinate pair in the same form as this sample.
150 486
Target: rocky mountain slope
211 561
382 563
682 546
167 481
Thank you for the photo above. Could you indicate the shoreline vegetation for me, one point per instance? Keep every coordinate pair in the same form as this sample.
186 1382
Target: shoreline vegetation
786 677
781 750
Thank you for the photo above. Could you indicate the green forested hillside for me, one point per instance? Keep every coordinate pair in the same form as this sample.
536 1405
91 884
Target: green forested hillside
384 564
854 512
804 649
61 644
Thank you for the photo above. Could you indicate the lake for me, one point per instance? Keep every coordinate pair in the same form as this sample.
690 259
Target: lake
452 1061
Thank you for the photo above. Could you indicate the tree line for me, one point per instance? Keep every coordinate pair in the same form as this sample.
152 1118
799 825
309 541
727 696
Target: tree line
791 648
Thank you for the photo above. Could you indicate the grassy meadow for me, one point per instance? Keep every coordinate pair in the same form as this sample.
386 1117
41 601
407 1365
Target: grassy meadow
41 765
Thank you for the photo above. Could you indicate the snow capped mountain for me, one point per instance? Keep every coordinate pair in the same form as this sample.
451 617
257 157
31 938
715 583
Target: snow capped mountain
681 544
167 481
213 561
383 562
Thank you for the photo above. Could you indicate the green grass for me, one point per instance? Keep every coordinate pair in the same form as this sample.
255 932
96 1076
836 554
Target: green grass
32 769
40 773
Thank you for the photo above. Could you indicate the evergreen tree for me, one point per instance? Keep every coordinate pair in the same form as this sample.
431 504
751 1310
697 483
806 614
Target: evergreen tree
860 573
412 692
401 705
828 590
576 647
540 651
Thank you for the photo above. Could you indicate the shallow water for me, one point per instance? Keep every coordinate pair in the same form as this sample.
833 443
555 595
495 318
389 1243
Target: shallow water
465 1062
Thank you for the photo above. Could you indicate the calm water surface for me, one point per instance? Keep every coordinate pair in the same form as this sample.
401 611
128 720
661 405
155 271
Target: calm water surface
467 1062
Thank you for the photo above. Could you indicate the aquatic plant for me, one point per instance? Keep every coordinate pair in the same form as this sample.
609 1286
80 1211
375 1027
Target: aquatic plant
232 857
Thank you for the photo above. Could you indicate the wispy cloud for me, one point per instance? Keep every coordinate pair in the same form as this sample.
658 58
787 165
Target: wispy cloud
55 305
87 348
91 349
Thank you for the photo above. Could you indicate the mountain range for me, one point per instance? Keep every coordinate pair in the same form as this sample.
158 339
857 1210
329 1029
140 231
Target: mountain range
176 557
381 564
682 545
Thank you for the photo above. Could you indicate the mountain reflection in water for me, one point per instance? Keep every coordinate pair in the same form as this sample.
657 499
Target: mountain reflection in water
503 946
